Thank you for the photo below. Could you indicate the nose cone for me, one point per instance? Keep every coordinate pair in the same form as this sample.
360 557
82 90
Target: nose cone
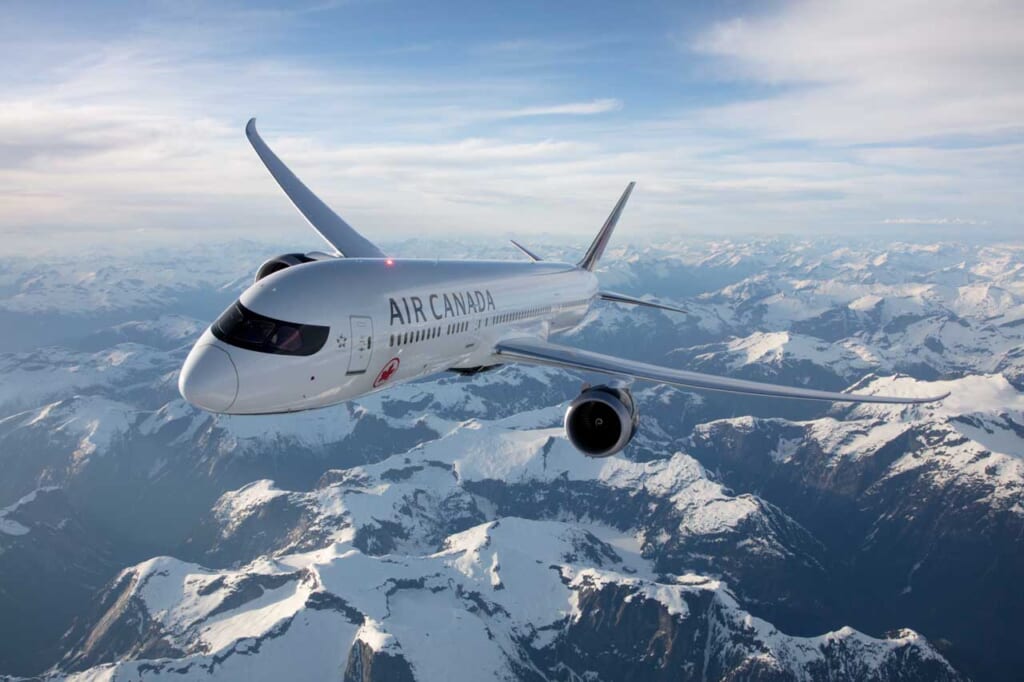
208 379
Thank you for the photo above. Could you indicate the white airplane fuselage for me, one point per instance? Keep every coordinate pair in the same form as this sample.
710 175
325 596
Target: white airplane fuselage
381 322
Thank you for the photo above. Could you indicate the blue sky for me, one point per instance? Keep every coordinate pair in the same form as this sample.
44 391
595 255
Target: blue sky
123 120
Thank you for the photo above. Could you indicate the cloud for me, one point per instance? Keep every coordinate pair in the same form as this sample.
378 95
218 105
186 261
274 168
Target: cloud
863 71
596 106
933 221
144 129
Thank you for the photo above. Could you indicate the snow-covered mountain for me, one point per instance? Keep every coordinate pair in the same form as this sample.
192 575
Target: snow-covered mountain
921 509
508 599
446 529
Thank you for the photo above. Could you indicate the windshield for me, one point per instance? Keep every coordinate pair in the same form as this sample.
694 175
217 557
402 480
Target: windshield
241 327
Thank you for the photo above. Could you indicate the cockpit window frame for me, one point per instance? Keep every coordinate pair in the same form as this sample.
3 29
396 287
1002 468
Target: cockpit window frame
243 328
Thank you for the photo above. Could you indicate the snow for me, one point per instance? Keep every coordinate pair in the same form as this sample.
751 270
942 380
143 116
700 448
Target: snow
983 300
423 608
856 443
628 545
9 526
91 423
259 616
53 374
315 428
374 637
544 455
970 439
147 279
170 327
865 303
785 449
171 413
430 627
976 394
410 492
670 596
234 508
974 433
849 353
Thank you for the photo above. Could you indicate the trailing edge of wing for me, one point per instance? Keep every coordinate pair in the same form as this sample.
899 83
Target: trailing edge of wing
329 224
543 353
630 300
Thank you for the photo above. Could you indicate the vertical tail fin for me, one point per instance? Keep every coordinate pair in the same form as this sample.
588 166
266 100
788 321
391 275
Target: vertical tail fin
596 249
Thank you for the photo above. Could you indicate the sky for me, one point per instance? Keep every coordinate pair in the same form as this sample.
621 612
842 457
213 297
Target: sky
122 122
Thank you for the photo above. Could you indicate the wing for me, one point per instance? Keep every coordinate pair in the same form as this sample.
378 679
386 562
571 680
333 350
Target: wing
616 297
530 254
329 224
539 352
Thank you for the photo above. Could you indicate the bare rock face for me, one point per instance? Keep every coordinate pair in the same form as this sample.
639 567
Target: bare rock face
52 564
367 665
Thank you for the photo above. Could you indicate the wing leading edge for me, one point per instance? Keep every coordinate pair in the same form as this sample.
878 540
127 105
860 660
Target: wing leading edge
616 297
335 231
542 353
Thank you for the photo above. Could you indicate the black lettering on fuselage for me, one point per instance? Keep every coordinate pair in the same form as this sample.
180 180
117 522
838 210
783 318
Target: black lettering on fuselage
417 306
442 306
396 312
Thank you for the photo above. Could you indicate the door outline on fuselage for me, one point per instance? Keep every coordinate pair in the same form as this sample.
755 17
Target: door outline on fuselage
362 344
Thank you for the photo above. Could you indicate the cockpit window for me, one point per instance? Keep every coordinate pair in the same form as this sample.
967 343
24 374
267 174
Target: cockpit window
241 327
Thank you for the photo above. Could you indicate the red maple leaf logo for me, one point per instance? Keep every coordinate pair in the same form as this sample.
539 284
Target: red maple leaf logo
386 373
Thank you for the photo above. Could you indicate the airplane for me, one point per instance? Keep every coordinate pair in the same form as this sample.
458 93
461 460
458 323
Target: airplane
317 329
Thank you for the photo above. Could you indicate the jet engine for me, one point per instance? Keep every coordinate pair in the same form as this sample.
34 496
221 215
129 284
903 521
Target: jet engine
286 261
601 421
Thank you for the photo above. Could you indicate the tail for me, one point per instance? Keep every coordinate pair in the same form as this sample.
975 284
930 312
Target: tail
596 250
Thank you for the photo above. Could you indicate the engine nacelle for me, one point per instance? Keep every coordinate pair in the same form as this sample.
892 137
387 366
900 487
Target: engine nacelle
286 261
601 421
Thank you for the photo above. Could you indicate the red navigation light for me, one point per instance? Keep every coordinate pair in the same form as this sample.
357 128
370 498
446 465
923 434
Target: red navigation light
389 262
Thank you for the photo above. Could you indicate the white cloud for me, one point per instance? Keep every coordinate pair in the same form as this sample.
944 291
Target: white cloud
933 221
597 106
877 70
146 132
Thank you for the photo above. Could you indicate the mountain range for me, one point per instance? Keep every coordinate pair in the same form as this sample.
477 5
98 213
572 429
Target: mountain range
447 530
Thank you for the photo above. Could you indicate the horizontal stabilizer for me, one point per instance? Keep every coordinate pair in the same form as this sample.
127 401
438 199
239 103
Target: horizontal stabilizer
335 231
631 300
537 352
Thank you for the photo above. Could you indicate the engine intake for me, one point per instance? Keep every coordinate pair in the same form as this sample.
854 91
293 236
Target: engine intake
287 260
601 421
